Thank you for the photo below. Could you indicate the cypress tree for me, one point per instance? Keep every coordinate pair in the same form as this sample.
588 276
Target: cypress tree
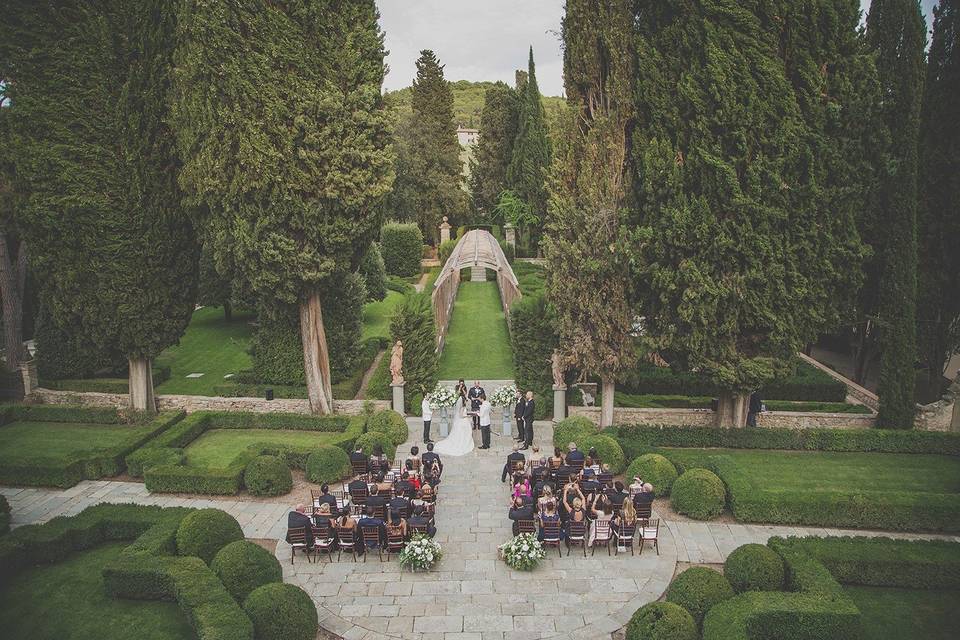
895 30
498 128
938 308
112 249
285 144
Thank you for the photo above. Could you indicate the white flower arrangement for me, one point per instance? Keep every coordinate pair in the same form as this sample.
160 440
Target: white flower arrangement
524 552
442 397
421 553
504 396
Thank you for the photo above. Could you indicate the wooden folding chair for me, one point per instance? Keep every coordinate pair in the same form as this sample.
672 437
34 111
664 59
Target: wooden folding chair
644 511
605 479
358 499
601 535
323 540
650 531
577 535
298 542
395 544
526 526
625 536
371 536
315 498
348 542
361 469
380 511
551 535
413 529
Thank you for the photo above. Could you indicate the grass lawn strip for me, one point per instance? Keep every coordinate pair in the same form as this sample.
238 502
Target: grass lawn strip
220 448
376 316
68 600
906 614
51 440
477 344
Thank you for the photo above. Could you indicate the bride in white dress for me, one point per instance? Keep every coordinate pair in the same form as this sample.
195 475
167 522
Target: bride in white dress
459 442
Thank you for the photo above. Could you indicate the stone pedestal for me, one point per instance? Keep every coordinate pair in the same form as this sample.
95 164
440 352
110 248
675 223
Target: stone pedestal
398 397
559 402
510 234
31 380
444 230
508 420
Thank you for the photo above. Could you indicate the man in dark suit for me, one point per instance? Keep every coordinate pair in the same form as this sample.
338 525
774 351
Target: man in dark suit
754 408
574 454
357 485
474 396
375 499
403 486
299 519
514 456
520 511
617 495
399 504
429 459
518 414
358 457
528 409
421 519
368 520
326 498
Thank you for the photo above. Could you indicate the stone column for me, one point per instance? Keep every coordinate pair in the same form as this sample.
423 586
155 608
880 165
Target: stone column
30 378
444 230
398 397
510 233
559 402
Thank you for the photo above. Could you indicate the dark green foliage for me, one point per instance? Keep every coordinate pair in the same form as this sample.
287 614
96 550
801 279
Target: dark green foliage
651 401
4 515
267 476
398 284
446 248
205 531
391 423
655 469
698 493
662 621
242 566
327 464
754 567
897 33
369 440
104 385
607 448
215 289
147 457
574 429
530 158
402 248
281 612
491 158
374 273
413 323
64 352
697 590
533 339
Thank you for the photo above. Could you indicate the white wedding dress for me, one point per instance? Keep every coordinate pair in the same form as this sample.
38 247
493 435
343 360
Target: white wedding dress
459 442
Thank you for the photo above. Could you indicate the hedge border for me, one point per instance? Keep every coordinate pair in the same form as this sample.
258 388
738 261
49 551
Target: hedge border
102 385
68 470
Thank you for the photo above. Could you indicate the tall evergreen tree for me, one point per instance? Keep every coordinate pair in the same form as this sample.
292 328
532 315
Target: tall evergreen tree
285 144
498 129
896 31
531 149
110 244
938 308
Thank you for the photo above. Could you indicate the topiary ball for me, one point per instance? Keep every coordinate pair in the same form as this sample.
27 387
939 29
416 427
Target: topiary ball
281 612
370 439
327 463
655 469
697 590
609 450
205 531
662 621
268 476
698 493
242 566
574 429
754 567
391 423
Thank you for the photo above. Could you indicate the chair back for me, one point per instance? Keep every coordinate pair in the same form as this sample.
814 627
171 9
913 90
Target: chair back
577 463
554 464
359 467
297 536
321 532
315 498
551 531
359 496
644 511
371 534
380 511
526 526
346 537
395 540
601 530
651 529
605 479
417 528
627 531
576 530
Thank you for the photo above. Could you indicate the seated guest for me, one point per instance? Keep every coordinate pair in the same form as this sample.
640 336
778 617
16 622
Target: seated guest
522 489
627 517
326 498
413 477
576 511
617 494
535 460
400 504
593 461
358 485
322 516
378 461
557 459
358 456
425 496
589 484
403 487
546 498
298 519
520 511
645 496
574 455
573 500
636 486
420 518
376 498
382 485
549 514
541 471
600 512
434 478
370 520
430 460
396 525
541 486
413 460
347 524
513 456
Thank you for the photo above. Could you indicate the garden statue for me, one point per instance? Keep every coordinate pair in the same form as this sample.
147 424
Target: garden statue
557 368
396 363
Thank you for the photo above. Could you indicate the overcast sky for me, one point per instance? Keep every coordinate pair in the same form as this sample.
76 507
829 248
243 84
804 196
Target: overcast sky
485 40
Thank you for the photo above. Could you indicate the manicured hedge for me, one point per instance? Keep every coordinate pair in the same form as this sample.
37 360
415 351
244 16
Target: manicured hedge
655 469
402 248
391 423
697 590
267 476
327 464
754 567
698 493
281 612
574 429
655 401
103 385
662 621
242 566
370 439
204 532
374 273
608 449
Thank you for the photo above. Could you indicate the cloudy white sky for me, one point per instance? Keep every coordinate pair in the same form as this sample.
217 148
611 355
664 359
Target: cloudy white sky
485 40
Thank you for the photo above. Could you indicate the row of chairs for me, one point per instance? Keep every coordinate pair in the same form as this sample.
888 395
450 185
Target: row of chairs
346 541
642 531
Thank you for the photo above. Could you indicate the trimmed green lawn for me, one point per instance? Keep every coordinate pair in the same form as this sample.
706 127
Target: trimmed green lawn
68 600
660 401
218 448
29 439
376 315
829 471
211 346
907 614
477 344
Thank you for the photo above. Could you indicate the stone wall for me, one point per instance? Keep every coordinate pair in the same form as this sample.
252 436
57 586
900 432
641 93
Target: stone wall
705 418
860 394
199 403
944 414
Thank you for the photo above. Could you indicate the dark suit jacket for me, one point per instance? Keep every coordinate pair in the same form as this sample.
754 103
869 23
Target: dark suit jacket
518 410
372 522
430 458
377 501
297 520
616 497
515 456
357 456
643 498
403 488
575 456
522 513
357 484
528 408
474 395
423 521
396 504
330 500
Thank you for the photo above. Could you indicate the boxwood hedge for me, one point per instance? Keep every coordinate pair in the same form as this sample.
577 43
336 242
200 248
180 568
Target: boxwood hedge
655 469
608 450
661 621
267 476
242 566
573 429
697 590
281 612
754 567
698 493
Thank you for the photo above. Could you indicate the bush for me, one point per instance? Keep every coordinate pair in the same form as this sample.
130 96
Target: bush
402 248
574 429
754 567
413 323
391 423
205 531
242 566
446 248
697 589
327 464
608 449
66 352
370 439
698 493
148 457
662 621
398 284
655 469
374 273
532 341
281 612
268 476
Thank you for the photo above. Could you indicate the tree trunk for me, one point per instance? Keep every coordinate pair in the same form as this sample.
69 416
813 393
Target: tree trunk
732 409
12 277
227 311
316 359
141 385
607 391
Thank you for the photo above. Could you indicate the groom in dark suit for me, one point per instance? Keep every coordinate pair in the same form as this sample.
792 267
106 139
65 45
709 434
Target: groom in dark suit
518 414
528 408
474 396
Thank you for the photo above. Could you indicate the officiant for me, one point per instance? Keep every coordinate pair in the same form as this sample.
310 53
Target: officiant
474 395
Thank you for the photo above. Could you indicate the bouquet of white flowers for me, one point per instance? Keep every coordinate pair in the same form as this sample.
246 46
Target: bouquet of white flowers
421 553
523 552
442 397
504 396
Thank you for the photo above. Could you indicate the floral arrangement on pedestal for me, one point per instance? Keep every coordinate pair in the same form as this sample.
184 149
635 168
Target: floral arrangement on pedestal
442 397
504 396
524 552
421 553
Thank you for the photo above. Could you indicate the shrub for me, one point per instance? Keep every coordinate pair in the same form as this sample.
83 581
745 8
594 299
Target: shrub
662 621
655 469
532 341
398 284
698 493
374 273
370 439
446 248
754 567
242 566
402 248
607 448
281 612
391 423
148 457
205 531
268 476
327 464
574 429
697 590
412 322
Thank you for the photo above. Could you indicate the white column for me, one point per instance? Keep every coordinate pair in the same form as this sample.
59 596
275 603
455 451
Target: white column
559 402
398 397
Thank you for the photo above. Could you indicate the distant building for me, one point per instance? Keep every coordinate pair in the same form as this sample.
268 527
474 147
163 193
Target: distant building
467 137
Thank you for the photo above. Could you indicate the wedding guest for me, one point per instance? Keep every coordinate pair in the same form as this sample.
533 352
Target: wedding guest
430 460
601 512
522 489
322 516
403 486
370 520
540 472
546 498
645 497
617 496
593 460
461 393
575 510
383 486
520 511
298 519
357 457
378 461
396 525
626 518
347 524
413 460
540 487
529 407
400 504
421 519
574 455
518 414
358 485
556 460
376 499
434 478
636 486
414 478
573 498
549 514
426 494
535 460
326 498
427 412
513 456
